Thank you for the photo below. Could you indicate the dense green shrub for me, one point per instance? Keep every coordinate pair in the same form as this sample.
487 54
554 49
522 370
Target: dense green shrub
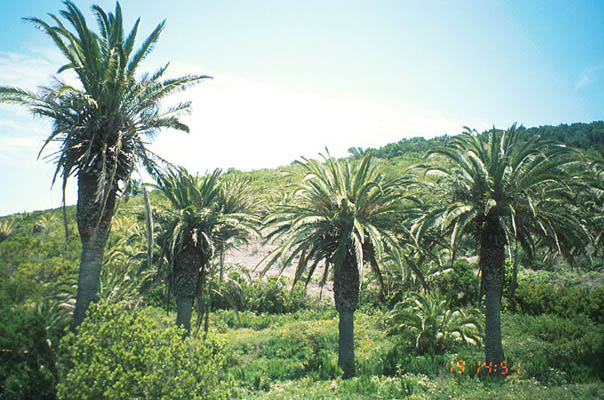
541 298
27 361
272 296
121 354
460 285
558 350
16 289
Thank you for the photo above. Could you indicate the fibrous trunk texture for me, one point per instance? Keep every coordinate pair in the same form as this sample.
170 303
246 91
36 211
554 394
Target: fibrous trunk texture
184 310
186 277
492 261
346 296
93 234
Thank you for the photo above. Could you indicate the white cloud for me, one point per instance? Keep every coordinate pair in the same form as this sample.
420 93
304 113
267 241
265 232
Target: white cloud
244 124
589 76
28 71
236 122
21 135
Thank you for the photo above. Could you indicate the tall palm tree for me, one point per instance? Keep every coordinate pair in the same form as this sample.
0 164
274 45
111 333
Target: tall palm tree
341 215
103 123
502 187
191 227
592 198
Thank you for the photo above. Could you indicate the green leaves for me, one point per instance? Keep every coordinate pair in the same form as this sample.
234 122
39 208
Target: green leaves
433 325
123 354
203 206
102 124
339 208
508 176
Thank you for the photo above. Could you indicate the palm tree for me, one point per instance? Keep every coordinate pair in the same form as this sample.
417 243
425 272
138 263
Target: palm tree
102 125
191 228
592 199
6 228
235 197
503 187
341 215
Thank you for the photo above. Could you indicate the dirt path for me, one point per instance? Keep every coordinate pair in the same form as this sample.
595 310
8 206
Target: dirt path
250 256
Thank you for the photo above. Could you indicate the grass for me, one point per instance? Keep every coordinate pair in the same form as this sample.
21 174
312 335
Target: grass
294 356
420 387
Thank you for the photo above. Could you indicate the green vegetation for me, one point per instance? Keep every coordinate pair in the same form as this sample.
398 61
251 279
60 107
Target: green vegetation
265 340
341 216
493 243
119 354
101 127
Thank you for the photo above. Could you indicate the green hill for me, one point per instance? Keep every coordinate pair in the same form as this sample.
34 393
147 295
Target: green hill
282 344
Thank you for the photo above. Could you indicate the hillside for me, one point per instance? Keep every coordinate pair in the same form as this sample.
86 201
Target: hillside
282 344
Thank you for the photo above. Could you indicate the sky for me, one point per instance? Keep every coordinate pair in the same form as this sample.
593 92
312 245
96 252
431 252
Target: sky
293 77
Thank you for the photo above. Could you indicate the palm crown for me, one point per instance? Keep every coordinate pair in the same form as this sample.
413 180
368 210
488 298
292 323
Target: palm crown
102 124
510 179
191 219
337 209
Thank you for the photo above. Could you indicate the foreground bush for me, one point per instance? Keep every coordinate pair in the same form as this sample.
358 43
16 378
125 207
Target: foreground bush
120 354
27 365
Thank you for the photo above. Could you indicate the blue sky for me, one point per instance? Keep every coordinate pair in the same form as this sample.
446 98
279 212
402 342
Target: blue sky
292 77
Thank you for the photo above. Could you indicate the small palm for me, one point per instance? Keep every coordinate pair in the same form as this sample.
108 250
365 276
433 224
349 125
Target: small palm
433 326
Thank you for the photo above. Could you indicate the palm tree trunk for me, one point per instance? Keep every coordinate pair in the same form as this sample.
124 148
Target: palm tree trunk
346 343
492 261
93 234
221 259
346 296
514 284
184 310
186 270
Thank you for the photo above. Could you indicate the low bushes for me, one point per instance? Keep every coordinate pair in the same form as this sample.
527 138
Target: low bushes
270 296
556 350
541 298
460 285
121 354
27 361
